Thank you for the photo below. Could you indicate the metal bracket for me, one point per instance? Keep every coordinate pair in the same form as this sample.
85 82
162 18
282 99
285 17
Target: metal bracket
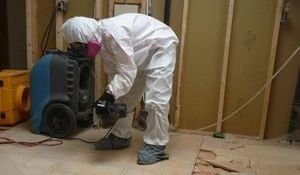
62 6
284 16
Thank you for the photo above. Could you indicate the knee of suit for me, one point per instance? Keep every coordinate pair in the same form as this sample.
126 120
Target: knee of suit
157 107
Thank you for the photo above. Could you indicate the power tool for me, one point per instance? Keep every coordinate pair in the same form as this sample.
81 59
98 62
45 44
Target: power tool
113 113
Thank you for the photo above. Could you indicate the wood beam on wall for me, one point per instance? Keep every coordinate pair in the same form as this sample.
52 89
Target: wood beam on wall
225 64
180 63
31 32
143 6
59 20
98 62
284 87
271 67
98 9
111 8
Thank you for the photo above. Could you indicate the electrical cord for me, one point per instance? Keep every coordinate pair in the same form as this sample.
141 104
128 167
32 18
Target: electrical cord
86 141
82 140
46 142
47 32
4 128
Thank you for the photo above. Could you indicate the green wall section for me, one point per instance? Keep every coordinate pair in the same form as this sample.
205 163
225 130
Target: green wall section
80 8
203 53
250 49
284 86
158 9
248 63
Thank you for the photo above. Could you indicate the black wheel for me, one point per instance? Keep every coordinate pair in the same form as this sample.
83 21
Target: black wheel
60 120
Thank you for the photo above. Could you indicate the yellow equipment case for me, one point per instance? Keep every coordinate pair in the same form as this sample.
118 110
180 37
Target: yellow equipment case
14 96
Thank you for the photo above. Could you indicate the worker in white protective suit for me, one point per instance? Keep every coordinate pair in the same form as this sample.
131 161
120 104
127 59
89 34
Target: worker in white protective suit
139 55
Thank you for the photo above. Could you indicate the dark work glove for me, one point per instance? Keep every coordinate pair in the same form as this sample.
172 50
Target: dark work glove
104 110
109 112
104 104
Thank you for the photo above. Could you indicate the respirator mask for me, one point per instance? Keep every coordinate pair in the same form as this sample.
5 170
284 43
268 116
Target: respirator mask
90 49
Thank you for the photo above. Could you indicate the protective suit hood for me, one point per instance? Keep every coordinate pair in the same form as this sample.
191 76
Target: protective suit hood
81 29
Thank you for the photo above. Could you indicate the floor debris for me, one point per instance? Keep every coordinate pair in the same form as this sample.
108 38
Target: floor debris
222 157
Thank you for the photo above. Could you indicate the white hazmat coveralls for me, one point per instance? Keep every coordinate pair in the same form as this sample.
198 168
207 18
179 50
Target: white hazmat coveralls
139 55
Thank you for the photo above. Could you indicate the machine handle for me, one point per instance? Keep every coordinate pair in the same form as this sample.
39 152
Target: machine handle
22 99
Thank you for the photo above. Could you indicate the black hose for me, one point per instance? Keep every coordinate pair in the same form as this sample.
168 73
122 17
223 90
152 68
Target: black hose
167 12
47 33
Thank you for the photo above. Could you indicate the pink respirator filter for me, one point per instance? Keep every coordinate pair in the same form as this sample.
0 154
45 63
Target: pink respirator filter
93 47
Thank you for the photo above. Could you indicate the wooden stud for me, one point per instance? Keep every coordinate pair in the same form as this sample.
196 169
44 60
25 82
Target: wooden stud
225 64
271 67
98 9
180 63
111 5
143 7
31 32
98 62
59 21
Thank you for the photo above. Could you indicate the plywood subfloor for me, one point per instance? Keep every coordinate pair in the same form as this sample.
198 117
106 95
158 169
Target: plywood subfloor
247 157
77 158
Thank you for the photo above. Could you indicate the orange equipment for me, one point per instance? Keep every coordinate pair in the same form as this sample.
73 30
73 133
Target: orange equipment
14 96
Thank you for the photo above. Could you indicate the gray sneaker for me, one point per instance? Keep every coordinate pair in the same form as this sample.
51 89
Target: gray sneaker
112 142
151 154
